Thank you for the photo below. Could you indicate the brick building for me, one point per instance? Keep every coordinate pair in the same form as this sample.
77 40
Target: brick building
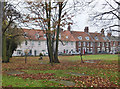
70 41
91 42
114 42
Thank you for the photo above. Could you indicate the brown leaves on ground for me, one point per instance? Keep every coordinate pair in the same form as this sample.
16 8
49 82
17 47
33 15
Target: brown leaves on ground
81 81
37 76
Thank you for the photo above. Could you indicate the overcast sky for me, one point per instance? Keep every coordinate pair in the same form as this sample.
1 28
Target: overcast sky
81 20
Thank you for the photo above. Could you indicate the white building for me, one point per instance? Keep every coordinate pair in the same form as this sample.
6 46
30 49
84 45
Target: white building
35 43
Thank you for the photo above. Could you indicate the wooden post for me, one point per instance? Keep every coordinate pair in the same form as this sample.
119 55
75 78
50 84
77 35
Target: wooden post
25 58
81 58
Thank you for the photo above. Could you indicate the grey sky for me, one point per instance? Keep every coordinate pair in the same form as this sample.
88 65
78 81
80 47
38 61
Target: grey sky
81 20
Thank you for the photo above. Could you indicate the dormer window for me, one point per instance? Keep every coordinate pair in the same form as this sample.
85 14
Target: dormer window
44 36
66 37
25 34
104 38
80 38
87 38
96 38
37 35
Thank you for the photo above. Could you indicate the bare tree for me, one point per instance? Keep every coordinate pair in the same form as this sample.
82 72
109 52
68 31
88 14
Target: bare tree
50 17
108 16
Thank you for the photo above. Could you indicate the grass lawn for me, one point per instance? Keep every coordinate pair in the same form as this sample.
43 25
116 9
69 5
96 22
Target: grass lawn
38 73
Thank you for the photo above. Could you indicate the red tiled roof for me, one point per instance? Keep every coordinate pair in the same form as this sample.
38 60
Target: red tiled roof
99 36
72 36
67 33
31 35
76 34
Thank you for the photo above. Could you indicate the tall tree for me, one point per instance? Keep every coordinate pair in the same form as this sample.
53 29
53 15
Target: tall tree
10 14
1 13
50 17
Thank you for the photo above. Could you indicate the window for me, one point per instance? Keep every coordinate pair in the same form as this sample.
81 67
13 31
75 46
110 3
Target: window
44 36
113 43
91 44
19 52
98 50
103 48
98 44
66 51
66 37
32 42
96 38
79 50
91 49
87 38
71 43
26 42
37 35
103 44
80 38
30 52
79 43
39 42
107 44
87 44
84 44
87 49
107 49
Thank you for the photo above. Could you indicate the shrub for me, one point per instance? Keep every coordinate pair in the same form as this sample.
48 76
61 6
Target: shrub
40 54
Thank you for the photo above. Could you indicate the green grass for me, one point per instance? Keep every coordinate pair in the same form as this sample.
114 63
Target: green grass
89 69
105 57
19 82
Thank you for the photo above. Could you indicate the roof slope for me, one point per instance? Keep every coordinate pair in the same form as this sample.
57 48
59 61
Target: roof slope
77 34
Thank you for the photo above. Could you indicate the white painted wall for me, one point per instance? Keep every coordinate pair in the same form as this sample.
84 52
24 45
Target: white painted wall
69 46
39 48
43 46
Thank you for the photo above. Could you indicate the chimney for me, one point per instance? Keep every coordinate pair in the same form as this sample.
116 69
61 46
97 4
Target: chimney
69 28
102 31
109 34
86 29
61 29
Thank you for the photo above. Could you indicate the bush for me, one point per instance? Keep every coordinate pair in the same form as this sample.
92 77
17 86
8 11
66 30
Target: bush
40 54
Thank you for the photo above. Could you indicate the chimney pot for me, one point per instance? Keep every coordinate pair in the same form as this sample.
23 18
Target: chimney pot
102 31
86 29
109 34
69 28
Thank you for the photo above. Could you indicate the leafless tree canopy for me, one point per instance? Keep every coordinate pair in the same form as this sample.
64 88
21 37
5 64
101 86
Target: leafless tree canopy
109 15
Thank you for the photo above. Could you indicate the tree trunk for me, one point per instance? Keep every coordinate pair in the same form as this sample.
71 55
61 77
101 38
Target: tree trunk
48 15
4 50
57 36
1 14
